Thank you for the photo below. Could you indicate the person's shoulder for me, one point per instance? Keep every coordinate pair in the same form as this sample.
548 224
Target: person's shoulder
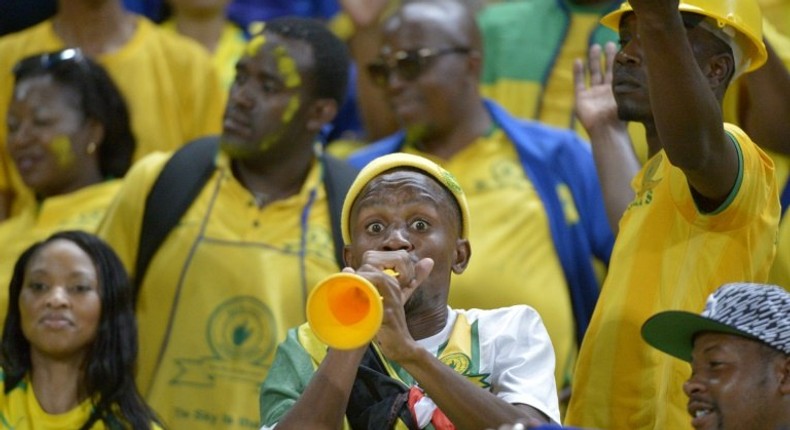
15 46
534 130
22 384
22 36
747 146
175 47
16 224
148 167
549 141
499 314
737 133
546 133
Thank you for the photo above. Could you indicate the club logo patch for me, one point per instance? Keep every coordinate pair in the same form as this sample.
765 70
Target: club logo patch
241 335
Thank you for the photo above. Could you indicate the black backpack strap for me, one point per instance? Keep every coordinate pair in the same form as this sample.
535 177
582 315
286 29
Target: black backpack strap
338 177
179 183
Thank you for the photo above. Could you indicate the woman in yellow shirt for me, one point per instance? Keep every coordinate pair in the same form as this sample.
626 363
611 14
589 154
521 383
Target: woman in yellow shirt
69 136
70 340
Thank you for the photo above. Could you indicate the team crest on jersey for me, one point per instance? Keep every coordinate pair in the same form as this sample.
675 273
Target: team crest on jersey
460 363
649 181
240 335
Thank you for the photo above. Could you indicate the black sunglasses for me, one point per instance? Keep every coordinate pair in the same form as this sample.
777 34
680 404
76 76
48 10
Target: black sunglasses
409 65
48 61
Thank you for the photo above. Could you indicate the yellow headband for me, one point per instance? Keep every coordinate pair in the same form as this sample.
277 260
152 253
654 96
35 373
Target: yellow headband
401 160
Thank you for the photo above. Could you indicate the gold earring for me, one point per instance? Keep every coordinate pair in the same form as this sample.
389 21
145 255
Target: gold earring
91 148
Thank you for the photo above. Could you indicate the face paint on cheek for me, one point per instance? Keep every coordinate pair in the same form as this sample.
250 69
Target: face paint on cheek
287 116
290 110
255 45
62 150
287 68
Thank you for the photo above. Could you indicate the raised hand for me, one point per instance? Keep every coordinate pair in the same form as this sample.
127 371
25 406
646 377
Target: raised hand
595 104
596 109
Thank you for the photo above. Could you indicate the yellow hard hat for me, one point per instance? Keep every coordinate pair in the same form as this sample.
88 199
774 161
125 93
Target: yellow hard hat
742 15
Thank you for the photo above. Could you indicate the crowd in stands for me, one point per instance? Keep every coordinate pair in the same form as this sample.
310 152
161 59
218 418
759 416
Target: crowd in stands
571 212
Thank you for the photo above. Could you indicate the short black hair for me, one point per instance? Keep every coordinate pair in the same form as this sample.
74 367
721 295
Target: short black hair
100 100
330 55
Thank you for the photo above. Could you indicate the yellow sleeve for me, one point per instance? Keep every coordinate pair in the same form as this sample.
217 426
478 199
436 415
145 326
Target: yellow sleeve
122 223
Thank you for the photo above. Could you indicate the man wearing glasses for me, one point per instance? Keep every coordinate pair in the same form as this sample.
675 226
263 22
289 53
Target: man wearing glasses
537 214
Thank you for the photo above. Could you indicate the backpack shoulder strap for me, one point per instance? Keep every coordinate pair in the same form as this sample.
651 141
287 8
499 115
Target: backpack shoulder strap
179 183
338 176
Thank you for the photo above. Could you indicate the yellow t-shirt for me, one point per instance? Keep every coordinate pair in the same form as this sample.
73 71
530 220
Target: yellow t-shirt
221 292
513 256
780 271
171 88
230 48
668 255
20 410
81 210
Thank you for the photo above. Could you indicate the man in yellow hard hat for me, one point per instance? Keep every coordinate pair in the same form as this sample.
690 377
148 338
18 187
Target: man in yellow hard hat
705 206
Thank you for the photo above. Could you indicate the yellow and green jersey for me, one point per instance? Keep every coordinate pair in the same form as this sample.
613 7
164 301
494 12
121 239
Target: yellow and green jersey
668 255
20 410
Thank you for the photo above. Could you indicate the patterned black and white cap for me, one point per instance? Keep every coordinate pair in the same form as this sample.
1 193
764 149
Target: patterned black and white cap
755 311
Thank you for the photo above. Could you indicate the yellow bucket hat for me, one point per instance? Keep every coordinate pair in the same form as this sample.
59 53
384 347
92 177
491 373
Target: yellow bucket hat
400 160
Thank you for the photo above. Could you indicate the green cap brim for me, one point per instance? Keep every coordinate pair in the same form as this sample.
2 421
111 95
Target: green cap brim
673 332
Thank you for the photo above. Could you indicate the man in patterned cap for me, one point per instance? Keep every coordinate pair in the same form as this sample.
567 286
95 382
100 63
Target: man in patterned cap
428 362
739 350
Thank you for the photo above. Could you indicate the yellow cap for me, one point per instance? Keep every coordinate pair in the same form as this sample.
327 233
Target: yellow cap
400 160
742 15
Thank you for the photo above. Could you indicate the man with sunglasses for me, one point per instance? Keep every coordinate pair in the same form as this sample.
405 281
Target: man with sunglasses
537 211
704 208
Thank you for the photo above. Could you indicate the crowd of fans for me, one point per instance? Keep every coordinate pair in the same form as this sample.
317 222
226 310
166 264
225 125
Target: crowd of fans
562 204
